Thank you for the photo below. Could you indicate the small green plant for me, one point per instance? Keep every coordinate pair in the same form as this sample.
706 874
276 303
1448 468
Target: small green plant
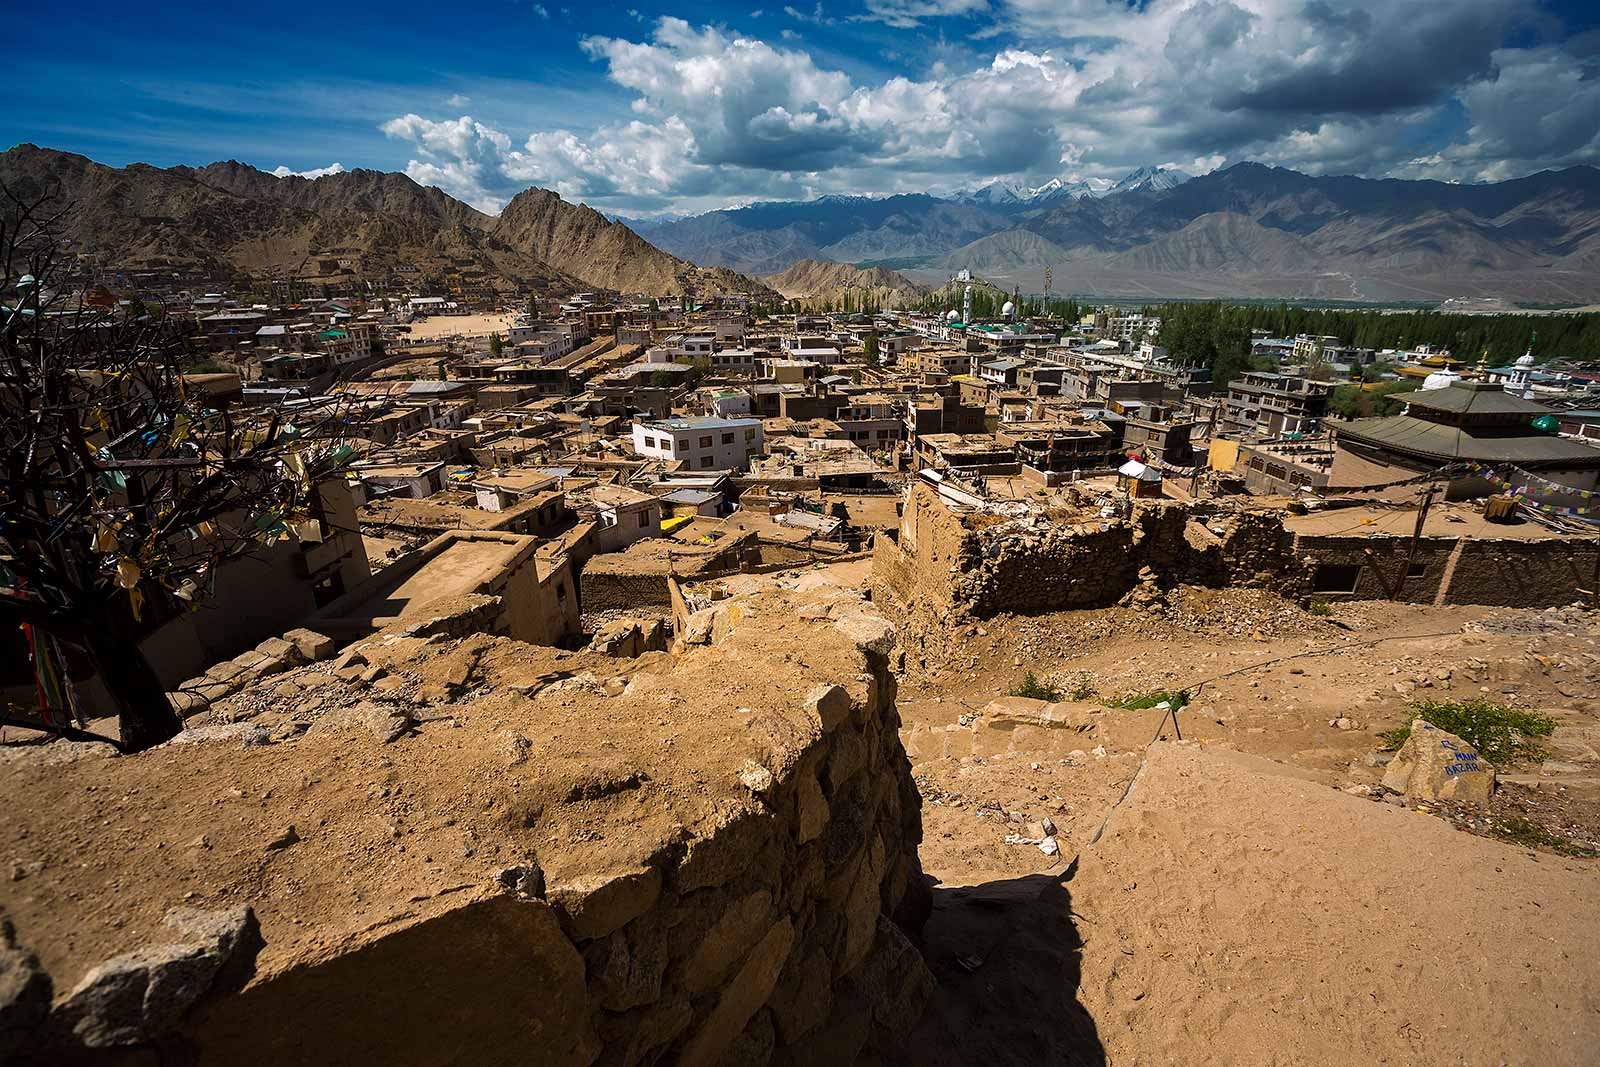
1501 734
1529 834
1320 607
1083 686
1032 688
1141 701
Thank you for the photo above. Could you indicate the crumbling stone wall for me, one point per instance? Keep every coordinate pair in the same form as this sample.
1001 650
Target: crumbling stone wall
765 921
982 565
1504 572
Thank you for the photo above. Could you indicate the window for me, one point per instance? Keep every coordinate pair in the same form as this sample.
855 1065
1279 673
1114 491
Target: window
705 442
705 461
750 435
326 590
644 518
1336 578
727 438
1417 570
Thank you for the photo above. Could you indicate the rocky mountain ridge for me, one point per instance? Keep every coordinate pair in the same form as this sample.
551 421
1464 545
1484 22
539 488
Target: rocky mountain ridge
1247 230
231 222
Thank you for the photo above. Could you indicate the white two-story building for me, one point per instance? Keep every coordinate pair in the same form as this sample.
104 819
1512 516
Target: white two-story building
701 443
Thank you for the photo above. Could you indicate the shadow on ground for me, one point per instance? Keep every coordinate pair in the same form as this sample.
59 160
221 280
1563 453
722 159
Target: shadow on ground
1006 956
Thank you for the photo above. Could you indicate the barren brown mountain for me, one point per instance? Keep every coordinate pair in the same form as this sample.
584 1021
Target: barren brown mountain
229 220
816 278
579 239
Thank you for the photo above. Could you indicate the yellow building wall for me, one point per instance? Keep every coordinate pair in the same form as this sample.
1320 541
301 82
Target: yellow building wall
1223 455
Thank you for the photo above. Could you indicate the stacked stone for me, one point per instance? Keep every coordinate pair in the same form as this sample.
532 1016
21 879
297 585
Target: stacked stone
779 937
773 931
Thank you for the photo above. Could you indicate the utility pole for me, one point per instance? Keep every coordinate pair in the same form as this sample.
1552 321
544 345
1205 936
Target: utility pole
1416 536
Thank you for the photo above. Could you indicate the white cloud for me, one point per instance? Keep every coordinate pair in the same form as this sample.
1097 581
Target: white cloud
319 172
909 14
462 156
1359 86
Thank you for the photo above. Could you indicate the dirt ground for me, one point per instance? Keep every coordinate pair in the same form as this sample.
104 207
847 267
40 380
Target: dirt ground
1250 887
438 326
1241 894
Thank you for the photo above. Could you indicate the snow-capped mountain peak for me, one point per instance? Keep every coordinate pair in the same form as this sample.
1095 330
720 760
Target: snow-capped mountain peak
1151 179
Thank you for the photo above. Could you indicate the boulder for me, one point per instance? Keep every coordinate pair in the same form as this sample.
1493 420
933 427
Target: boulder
1436 765
243 734
870 632
282 649
698 628
143 994
811 809
312 645
729 938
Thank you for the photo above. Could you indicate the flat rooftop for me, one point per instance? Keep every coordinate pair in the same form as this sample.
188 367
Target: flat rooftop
1444 520
700 422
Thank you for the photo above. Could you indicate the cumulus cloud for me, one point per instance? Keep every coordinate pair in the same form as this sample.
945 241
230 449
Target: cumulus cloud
1082 88
318 172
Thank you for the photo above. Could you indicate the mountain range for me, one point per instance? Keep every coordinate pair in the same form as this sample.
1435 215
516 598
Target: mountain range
1246 231
1002 195
227 221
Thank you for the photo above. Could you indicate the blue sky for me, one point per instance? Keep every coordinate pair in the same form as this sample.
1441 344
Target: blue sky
644 109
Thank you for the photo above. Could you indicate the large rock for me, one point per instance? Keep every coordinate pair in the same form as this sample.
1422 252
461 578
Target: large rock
742 997
1434 764
143 994
727 940
894 981
595 905
312 645
25 991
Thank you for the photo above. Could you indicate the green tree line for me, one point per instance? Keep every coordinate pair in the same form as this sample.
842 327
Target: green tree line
1503 337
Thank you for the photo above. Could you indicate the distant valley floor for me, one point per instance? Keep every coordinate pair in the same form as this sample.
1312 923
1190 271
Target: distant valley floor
1084 279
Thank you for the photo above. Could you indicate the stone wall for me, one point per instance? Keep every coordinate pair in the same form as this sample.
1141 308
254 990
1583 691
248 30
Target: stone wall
981 565
710 866
1505 572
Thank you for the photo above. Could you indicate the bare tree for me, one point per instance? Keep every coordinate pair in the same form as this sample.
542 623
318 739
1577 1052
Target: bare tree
123 487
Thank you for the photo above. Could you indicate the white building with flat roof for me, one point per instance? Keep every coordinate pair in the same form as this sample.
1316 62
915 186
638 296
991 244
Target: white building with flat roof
702 442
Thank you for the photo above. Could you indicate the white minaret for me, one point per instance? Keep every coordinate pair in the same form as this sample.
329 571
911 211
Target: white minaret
1520 381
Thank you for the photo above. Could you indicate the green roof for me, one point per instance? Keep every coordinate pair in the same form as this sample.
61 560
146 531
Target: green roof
1409 435
1473 398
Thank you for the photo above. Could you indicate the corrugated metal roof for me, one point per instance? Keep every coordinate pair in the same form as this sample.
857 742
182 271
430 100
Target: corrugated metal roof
1419 437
